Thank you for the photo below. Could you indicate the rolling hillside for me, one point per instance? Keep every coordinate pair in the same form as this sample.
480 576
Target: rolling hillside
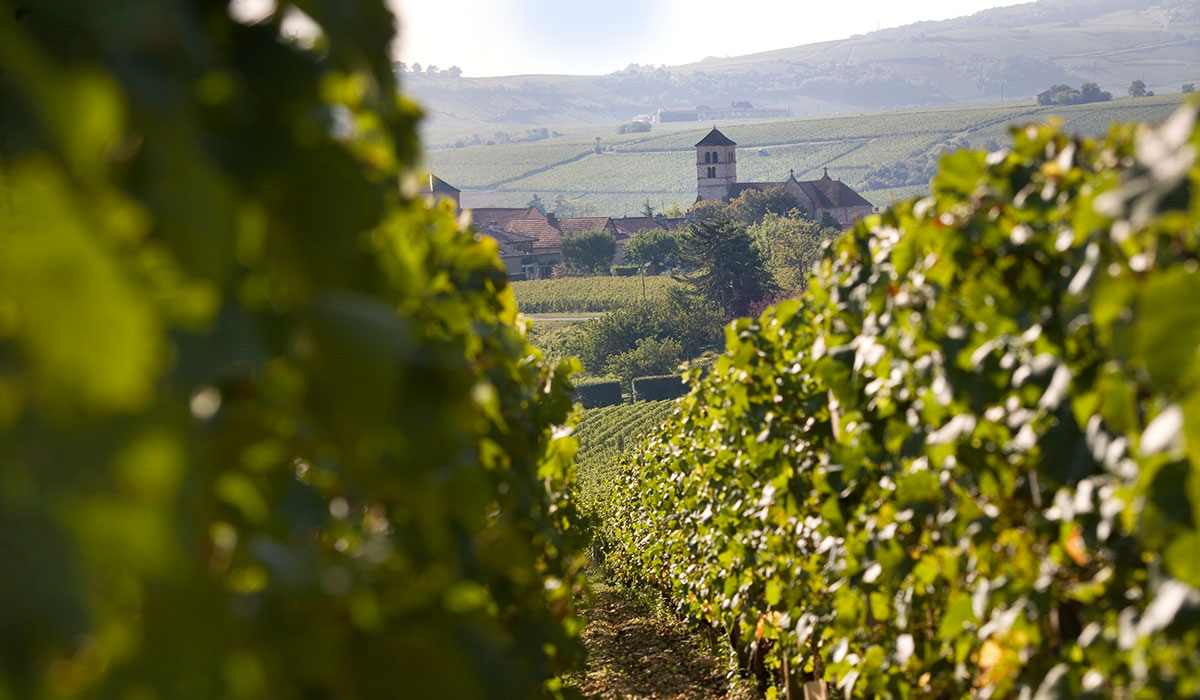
863 150
1010 52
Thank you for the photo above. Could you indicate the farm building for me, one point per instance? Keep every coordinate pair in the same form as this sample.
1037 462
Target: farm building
676 114
741 110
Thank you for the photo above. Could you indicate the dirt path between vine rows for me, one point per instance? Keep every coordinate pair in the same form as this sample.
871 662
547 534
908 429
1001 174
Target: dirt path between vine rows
635 653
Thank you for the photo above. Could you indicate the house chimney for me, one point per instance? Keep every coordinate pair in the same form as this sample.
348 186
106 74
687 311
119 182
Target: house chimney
551 219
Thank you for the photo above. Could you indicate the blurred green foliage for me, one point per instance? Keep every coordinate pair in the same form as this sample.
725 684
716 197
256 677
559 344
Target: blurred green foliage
967 462
267 427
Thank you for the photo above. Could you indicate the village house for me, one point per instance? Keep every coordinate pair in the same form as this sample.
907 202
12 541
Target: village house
741 110
665 115
633 225
716 179
531 241
524 253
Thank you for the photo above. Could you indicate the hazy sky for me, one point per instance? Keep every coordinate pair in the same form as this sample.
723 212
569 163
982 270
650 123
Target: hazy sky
504 37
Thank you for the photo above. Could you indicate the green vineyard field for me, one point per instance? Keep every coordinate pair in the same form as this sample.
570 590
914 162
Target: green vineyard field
587 294
603 434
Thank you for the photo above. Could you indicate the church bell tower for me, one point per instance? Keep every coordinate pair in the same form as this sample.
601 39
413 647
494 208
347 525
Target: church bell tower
716 166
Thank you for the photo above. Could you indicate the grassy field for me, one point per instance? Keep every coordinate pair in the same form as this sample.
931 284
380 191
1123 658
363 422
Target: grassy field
586 294
658 166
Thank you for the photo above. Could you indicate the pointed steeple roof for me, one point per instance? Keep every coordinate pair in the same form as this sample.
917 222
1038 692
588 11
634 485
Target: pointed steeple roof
715 138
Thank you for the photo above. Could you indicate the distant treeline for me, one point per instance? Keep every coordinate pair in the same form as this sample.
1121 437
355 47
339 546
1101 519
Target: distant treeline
504 137
1067 95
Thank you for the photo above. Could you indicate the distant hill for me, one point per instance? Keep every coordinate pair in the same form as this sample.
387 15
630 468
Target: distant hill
1012 52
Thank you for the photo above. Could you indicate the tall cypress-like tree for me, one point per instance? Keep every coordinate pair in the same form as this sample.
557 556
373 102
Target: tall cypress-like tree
729 269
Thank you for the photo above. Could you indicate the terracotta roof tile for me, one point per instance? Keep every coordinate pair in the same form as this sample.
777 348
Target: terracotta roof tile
631 225
826 193
504 236
839 193
585 223
511 244
546 235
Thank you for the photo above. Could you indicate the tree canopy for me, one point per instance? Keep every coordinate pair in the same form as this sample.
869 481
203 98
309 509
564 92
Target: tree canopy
754 204
1066 95
657 248
727 268
790 247
588 251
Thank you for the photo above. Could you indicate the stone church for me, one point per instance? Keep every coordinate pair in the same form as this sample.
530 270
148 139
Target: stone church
716 179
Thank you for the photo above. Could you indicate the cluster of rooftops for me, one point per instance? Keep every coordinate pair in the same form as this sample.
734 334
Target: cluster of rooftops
530 240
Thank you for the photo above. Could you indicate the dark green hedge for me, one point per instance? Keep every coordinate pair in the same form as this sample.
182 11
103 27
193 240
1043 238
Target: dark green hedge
598 393
625 270
663 386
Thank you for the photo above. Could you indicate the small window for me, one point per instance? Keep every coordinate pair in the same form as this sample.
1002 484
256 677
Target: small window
707 157
716 157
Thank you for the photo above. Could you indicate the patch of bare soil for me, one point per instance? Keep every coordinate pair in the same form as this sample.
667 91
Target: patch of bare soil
636 653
